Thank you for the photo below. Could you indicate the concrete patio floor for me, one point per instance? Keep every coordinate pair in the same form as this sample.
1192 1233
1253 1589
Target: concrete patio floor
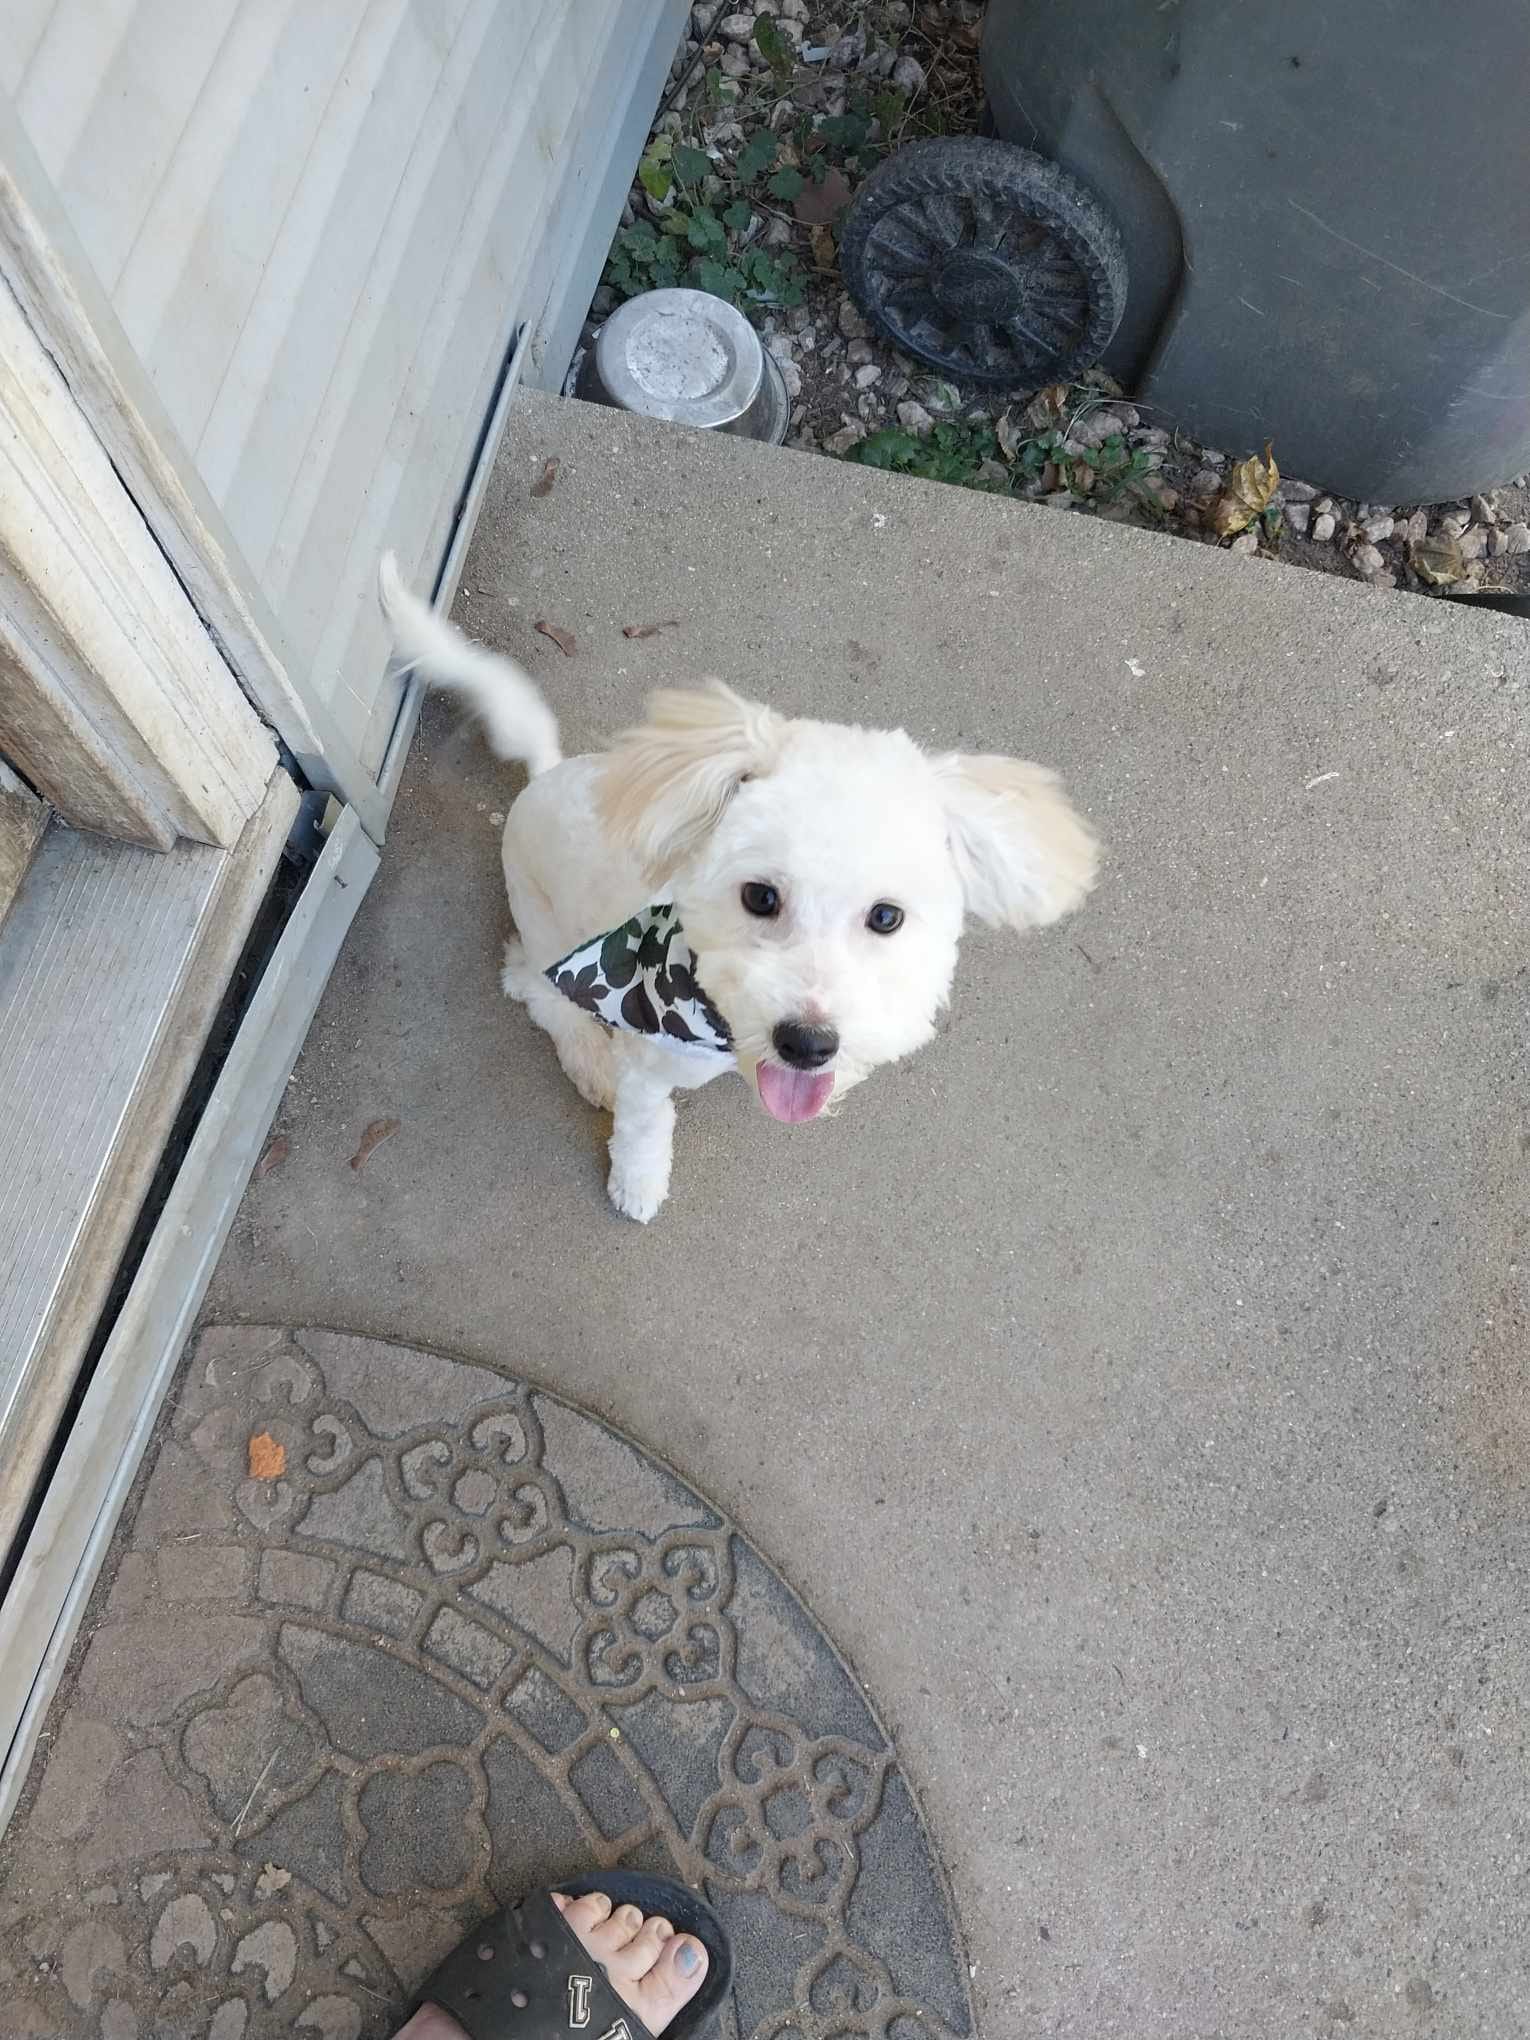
1134 1385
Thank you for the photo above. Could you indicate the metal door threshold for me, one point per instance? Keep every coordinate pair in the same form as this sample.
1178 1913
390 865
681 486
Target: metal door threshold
98 1460
113 962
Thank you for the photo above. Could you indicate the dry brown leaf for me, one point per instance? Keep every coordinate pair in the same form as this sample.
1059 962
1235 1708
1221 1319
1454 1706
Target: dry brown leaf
1438 560
1009 435
825 254
271 1880
542 486
563 639
650 629
817 204
374 1136
268 1457
1247 495
1048 407
276 1153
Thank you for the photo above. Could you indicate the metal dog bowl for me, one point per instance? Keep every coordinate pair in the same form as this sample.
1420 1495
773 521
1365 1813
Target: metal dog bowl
689 357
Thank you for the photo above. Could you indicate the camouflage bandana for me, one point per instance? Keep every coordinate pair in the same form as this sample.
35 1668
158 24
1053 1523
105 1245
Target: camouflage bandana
641 978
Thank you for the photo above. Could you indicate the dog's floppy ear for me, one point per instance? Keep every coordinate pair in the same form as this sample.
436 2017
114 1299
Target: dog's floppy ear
1023 856
664 784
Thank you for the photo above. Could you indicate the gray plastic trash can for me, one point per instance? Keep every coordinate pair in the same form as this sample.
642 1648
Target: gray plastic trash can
1326 216
1273 219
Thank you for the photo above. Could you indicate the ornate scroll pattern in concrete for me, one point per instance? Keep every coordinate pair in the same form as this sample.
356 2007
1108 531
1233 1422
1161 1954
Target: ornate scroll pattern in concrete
451 1638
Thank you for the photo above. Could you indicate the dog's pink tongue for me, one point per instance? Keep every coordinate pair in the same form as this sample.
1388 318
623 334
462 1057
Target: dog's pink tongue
793 1095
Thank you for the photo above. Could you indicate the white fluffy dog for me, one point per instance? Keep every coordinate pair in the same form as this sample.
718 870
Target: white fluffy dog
725 888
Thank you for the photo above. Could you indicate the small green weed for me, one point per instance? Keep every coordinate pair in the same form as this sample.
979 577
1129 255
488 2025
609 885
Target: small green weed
1112 469
954 451
1018 456
774 48
707 228
711 211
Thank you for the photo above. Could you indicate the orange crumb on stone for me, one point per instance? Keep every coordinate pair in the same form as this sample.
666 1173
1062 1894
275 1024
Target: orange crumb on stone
268 1457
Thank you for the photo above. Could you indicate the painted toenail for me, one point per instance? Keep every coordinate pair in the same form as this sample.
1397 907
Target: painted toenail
689 1960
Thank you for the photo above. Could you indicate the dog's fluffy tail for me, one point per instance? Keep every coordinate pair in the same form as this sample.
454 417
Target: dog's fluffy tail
516 720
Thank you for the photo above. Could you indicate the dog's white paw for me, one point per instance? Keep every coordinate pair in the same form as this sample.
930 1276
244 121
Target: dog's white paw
517 980
637 1193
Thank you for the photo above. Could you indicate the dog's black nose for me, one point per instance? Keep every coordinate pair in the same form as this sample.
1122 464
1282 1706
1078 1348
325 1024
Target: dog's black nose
803 1047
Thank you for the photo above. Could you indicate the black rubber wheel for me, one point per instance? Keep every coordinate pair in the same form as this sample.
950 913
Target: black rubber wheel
985 260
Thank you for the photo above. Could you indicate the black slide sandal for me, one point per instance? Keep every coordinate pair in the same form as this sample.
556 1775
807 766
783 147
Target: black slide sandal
523 1975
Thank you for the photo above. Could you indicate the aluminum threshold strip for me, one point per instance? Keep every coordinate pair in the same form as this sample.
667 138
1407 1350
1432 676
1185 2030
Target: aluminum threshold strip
41 1614
112 963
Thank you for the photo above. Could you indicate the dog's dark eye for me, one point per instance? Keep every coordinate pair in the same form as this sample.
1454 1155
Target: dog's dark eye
761 900
885 918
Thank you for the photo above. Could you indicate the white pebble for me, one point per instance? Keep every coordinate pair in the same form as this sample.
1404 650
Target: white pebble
1517 539
914 417
1474 542
1324 527
867 375
1368 560
1246 544
1378 528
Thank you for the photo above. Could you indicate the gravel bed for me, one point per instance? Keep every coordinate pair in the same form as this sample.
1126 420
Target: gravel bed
774 125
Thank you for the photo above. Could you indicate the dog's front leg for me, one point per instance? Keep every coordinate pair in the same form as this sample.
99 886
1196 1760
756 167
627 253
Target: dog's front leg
642 1141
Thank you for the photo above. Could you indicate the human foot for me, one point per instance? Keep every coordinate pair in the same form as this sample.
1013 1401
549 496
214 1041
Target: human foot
653 1970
